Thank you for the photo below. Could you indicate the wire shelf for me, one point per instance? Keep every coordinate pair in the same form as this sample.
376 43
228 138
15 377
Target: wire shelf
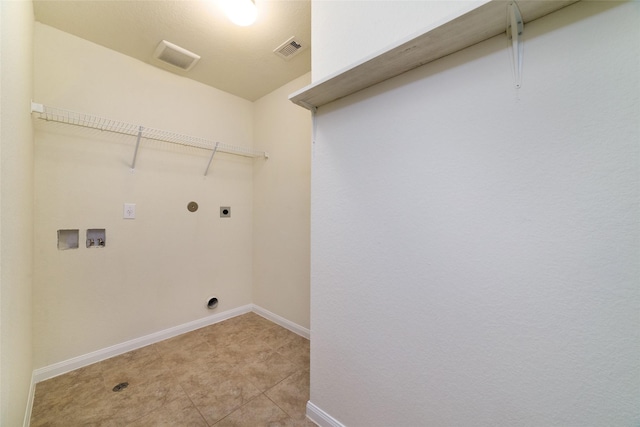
59 115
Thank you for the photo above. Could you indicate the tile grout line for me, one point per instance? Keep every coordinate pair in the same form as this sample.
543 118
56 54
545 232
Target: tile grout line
180 383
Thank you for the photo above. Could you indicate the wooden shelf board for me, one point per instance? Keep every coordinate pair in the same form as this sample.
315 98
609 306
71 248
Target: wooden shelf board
484 20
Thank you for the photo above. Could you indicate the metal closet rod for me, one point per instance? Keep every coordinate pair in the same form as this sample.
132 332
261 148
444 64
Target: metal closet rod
59 115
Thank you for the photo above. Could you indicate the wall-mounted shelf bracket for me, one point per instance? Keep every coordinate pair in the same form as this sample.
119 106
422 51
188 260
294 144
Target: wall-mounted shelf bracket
213 153
37 108
135 153
515 29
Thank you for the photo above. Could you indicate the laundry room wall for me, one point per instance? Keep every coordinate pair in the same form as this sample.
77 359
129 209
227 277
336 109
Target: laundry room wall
369 27
16 209
281 200
157 270
475 247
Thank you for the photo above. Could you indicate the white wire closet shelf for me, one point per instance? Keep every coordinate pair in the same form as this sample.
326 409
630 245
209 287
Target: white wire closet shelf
59 115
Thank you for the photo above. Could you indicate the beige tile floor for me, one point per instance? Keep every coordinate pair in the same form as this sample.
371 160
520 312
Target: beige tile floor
245 371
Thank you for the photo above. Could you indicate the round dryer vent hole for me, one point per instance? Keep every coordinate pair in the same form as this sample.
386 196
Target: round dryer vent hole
192 206
212 303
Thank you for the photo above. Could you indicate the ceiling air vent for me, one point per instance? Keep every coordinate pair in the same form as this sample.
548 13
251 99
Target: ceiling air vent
289 49
176 56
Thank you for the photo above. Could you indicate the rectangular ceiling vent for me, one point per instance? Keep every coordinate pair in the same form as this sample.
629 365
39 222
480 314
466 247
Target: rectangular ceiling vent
289 49
175 56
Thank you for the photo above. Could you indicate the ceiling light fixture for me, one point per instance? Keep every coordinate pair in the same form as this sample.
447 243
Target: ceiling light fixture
240 12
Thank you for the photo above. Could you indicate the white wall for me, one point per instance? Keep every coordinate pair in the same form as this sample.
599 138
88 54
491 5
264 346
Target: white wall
281 201
346 31
475 250
16 209
158 270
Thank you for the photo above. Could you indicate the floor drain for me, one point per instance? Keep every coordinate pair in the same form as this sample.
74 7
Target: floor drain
120 386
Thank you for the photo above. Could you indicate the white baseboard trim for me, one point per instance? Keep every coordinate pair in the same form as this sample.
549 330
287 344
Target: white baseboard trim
32 393
65 366
288 324
320 417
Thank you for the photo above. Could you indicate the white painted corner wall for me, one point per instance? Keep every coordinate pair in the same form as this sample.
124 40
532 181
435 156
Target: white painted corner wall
16 209
365 27
281 201
483 268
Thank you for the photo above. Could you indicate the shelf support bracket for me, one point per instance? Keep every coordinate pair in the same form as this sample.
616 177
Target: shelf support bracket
515 29
37 108
213 153
135 153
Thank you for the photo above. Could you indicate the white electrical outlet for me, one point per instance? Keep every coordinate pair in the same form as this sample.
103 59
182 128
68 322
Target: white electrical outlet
129 211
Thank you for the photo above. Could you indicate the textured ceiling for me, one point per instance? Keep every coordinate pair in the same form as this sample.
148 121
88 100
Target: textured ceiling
238 60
